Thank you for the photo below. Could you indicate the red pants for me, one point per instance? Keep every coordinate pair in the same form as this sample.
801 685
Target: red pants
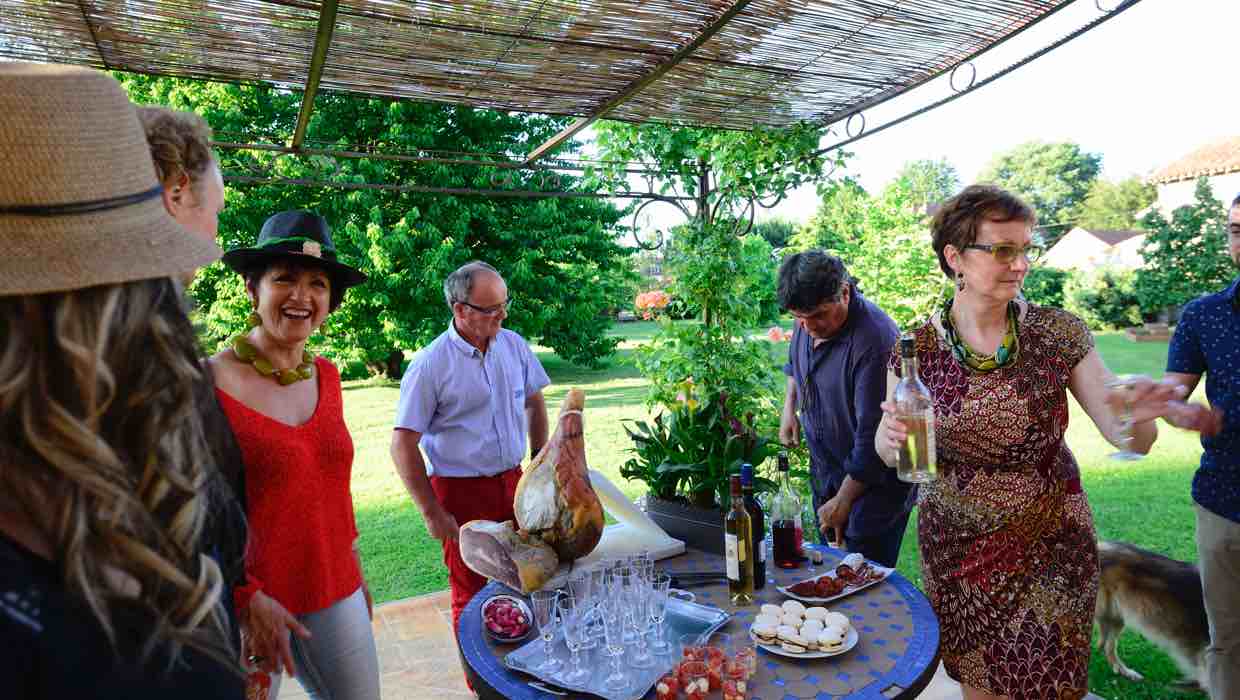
472 498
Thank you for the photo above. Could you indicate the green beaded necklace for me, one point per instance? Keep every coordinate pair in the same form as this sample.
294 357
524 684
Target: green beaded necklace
1005 354
248 354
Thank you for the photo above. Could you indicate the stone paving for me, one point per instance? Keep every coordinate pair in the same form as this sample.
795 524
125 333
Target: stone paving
418 658
417 652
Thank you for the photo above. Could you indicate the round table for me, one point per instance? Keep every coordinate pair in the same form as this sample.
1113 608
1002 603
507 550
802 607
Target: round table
896 656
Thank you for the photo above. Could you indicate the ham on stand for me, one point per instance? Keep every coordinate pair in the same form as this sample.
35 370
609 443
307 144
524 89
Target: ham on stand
559 517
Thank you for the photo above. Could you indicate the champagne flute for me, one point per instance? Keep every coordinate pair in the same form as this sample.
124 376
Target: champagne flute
545 614
613 632
658 611
582 588
573 618
642 623
1124 419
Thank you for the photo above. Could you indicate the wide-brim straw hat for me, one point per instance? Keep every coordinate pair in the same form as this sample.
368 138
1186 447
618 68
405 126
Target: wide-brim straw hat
80 202
299 235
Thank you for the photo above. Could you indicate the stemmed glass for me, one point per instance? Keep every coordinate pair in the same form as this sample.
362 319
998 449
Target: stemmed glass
641 624
1124 419
613 633
544 614
573 618
628 587
658 611
582 589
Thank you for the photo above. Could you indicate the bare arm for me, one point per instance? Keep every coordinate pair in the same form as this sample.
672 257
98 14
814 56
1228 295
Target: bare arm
1188 381
536 417
412 470
789 427
1088 384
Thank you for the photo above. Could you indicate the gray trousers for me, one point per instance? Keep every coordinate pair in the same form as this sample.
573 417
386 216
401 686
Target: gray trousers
339 661
1218 552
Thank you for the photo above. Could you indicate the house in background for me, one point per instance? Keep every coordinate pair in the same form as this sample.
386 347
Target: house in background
1219 162
1085 249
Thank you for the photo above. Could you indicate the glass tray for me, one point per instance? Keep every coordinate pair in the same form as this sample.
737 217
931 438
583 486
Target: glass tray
682 618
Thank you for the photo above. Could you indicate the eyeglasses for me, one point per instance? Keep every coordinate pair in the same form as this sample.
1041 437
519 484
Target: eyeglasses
488 310
1006 253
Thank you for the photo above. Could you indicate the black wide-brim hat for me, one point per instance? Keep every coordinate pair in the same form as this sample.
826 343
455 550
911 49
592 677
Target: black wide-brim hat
295 235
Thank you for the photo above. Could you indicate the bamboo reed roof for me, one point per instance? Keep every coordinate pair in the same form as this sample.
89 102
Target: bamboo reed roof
763 63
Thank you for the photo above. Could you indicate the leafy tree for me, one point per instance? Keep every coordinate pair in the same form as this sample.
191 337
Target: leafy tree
840 218
1105 299
885 243
1185 256
777 231
1054 178
1115 205
1045 286
560 257
893 261
927 182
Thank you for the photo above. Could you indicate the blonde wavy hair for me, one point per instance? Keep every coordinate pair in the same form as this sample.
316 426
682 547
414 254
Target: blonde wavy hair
103 452
180 144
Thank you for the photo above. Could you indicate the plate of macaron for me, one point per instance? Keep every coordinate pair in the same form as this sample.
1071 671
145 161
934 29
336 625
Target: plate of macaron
793 630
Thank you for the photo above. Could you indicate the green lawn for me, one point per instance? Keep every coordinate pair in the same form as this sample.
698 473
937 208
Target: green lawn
1146 502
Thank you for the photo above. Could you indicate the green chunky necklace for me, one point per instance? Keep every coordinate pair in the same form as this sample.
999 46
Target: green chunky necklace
1005 354
248 354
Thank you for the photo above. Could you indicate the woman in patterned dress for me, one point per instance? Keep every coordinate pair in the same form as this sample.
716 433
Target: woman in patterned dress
1007 540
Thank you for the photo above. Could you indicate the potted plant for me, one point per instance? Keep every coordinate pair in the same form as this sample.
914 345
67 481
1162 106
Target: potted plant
685 456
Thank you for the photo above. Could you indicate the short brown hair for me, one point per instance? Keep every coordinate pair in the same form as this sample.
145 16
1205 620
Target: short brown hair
957 220
180 144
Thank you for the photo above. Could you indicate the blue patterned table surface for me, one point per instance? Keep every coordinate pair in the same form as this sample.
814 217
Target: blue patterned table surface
896 655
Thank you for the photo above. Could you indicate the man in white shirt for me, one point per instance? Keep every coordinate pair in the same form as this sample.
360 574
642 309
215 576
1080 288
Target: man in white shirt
469 398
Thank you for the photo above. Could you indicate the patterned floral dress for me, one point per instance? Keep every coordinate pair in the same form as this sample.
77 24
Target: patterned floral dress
1007 540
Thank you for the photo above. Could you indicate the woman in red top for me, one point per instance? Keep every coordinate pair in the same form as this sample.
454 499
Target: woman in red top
303 571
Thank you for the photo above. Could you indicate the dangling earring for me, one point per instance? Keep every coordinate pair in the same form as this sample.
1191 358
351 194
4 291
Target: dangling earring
254 319
960 281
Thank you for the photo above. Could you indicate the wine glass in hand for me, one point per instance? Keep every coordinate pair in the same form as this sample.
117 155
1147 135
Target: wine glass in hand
1123 417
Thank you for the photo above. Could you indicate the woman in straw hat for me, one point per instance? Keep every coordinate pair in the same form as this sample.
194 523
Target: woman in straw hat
103 487
286 408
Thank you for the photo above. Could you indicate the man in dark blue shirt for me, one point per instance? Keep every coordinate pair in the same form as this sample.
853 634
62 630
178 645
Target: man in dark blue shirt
837 378
1207 341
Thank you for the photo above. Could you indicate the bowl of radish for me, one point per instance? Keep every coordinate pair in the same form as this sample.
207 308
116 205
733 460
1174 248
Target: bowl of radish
507 619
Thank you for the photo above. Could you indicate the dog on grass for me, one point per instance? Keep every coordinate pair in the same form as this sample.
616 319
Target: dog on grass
1160 598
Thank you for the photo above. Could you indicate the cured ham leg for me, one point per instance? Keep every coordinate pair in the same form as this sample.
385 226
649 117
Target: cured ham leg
496 550
554 498
559 517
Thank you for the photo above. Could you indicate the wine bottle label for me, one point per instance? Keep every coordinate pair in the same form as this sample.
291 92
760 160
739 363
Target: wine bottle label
931 452
762 551
732 546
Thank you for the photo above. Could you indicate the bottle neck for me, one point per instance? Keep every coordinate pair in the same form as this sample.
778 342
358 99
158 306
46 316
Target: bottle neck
908 366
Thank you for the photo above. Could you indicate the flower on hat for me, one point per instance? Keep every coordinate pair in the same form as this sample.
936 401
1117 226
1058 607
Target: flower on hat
311 248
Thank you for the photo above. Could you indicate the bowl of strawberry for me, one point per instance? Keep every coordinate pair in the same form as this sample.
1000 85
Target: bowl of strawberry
506 619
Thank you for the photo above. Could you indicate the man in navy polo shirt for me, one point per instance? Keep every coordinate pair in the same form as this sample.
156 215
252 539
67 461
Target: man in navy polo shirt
837 379
1207 341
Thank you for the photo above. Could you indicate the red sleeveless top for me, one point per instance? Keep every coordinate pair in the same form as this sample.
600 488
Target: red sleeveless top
297 500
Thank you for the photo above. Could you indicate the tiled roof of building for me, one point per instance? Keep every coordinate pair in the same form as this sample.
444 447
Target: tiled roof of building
1216 158
1113 236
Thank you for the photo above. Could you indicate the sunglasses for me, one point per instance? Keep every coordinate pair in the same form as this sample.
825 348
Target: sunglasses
1006 253
488 310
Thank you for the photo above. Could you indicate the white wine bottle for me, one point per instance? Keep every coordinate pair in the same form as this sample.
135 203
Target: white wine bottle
737 545
915 409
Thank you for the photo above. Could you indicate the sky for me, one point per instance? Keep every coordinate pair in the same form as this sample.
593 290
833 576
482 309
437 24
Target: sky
1143 89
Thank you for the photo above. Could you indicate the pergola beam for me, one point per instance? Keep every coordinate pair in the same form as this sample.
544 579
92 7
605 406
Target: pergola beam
322 41
638 85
